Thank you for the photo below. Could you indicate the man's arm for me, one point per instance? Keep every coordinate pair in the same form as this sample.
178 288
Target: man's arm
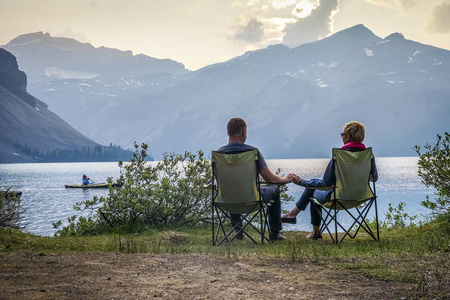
273 178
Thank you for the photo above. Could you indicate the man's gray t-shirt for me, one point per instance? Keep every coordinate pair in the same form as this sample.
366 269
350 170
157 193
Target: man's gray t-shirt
235 147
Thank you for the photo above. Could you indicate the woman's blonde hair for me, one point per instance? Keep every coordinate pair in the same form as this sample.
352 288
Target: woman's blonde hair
355 131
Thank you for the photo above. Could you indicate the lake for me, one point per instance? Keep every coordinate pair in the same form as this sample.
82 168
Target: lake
46 200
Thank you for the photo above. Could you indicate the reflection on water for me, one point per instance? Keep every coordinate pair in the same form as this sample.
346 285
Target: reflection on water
46 200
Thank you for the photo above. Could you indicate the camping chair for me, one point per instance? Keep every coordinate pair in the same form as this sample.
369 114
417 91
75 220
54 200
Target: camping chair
354 189
235 190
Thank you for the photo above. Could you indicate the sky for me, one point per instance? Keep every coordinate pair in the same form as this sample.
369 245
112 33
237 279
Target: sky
198 33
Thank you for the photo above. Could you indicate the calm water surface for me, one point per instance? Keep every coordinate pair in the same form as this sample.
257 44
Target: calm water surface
46 200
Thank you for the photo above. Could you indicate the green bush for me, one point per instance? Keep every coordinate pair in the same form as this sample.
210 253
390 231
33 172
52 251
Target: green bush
398 218
434 169
172 191
10 209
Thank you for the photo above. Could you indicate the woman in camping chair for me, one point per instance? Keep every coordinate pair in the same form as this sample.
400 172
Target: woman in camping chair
353 137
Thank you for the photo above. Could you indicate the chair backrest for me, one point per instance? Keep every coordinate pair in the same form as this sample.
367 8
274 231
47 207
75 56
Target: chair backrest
352 170
237 177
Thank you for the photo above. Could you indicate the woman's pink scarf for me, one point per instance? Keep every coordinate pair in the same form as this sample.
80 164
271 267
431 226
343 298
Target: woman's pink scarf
354 145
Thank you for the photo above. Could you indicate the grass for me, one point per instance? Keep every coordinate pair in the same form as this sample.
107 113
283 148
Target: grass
417 255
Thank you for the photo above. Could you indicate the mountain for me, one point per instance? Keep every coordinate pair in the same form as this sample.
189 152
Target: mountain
45 58
295 100
26 122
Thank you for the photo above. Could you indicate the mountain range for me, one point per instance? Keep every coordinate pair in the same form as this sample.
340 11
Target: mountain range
295 100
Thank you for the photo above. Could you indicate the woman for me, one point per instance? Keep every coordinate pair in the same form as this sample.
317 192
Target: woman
353 137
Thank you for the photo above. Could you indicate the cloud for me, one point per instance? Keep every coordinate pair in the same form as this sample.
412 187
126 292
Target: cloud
318 24
438 20
397 5
69 33
289 21
250 31
258 25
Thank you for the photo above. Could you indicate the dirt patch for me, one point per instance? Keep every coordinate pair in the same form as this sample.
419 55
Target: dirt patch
148 276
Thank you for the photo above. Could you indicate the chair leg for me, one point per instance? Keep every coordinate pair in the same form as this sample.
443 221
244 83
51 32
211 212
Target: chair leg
325 220
335 222
212 225
266 226
360 220
376 219
247 222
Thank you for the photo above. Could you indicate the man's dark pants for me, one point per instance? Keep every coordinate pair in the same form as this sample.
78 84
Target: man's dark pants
271 196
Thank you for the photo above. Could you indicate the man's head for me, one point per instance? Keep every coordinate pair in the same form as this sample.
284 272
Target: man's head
355 131
237 129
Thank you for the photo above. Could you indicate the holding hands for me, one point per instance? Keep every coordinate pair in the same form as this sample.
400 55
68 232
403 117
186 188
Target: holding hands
293 178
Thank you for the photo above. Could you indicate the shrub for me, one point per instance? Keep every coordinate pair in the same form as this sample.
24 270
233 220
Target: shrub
398 218
172 191
434 169
10 209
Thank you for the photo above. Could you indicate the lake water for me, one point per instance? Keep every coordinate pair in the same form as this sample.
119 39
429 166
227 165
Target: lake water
46 200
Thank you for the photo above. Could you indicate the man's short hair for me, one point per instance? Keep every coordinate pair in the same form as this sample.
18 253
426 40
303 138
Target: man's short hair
355 130
235 126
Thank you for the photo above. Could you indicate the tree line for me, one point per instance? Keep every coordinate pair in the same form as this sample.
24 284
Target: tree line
97 153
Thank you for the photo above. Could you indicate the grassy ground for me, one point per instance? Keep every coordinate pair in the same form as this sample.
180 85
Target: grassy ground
417 255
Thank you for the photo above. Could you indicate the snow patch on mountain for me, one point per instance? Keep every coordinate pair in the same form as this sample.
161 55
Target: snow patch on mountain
389 73
320 83
383 42
369 52
68 74
103 94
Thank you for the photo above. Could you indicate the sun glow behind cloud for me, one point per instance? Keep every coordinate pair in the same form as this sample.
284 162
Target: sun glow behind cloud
270 21
304 8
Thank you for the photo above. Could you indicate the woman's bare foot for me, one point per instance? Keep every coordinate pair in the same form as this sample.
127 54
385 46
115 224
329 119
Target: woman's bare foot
315 234
311 235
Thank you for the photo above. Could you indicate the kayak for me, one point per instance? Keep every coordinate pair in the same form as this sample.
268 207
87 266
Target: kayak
92 186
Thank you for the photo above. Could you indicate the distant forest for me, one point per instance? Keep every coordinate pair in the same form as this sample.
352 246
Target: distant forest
97 153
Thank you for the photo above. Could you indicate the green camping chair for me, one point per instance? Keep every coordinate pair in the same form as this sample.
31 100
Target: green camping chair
354 193
235 190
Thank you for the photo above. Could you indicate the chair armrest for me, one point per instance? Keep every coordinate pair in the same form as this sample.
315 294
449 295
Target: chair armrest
272 183
321 188
281 186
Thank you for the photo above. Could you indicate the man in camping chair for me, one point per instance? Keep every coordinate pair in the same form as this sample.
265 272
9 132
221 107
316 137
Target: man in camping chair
237 135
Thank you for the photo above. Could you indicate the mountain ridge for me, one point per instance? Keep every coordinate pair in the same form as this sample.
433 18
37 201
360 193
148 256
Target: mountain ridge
295 100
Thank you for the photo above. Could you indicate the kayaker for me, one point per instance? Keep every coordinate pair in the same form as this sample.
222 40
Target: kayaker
86 180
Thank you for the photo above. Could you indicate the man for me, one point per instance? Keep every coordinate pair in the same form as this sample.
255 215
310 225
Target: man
237 135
